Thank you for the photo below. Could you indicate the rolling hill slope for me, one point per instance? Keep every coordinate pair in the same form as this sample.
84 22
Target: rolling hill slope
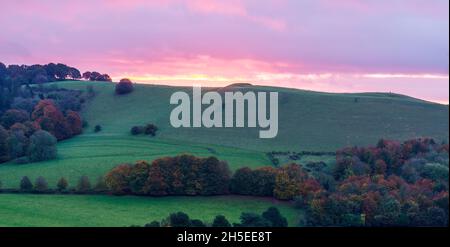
308 121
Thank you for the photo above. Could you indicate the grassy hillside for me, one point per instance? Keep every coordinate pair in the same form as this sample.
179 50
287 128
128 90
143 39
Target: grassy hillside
72 210
309 121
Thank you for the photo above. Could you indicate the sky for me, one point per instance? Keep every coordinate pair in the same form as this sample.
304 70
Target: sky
399 46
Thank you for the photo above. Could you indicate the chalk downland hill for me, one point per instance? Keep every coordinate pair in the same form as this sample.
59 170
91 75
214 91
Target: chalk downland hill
308 121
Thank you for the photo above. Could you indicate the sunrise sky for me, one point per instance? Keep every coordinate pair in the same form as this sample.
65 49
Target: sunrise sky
400 46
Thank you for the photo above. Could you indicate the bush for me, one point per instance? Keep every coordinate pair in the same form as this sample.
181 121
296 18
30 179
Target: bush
150 129
84 185
41 184
137 130
97 128
62 184
274 217
220 221
25 184
125 86
4 147
179 219
42 146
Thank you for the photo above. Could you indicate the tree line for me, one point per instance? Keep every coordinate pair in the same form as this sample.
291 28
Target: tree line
269 218
16 80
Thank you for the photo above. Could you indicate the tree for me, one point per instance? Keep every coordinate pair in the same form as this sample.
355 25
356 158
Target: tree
13 116
25 184
74 121
288 182
84 185
86 75
51 119
18 143
41 184
221 221
4 147
274 217
125 86
62 184
42 146
117 179
179 219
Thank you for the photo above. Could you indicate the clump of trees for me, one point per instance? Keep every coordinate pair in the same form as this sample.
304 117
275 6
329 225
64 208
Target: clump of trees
149 129
386 185
96 76
26 108
125 86
15 80
179 175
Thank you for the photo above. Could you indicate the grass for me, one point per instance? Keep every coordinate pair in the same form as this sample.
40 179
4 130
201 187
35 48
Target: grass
96 155
84 210
308 121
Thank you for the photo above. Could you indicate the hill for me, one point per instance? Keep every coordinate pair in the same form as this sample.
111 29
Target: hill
308 121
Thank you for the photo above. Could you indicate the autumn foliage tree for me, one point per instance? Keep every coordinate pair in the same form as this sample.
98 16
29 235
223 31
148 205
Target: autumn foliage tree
49 118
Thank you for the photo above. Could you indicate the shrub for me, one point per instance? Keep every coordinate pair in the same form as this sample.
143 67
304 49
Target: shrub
41 184
220 221
84 185
25 184
125 86
62 184
179 219
42 146
4 148
150 129
137 130
274 217
97 128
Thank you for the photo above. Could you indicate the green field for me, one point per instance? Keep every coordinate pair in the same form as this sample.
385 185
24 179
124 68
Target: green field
81 210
